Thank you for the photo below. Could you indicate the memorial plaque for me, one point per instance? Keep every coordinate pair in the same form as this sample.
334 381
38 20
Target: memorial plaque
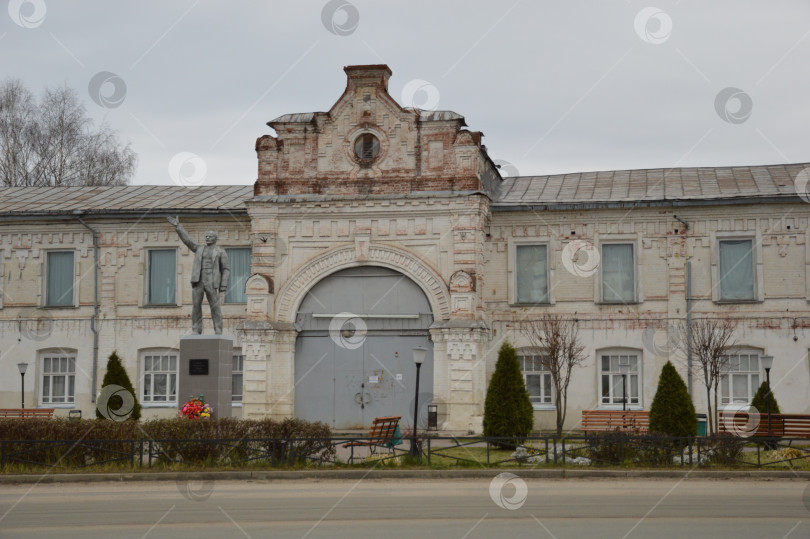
197 366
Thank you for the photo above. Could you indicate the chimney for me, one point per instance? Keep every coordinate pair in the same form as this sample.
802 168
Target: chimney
367 75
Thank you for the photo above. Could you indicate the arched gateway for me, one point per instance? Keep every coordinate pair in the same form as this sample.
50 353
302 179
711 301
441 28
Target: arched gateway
353 354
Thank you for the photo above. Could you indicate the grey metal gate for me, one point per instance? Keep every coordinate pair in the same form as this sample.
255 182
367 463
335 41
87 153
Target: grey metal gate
354 352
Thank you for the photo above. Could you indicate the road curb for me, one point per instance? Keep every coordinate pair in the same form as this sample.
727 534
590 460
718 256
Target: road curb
273 475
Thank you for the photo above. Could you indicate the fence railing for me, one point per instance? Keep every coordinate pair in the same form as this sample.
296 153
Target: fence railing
606 449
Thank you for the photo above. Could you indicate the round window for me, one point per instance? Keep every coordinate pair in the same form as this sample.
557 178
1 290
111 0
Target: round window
366 147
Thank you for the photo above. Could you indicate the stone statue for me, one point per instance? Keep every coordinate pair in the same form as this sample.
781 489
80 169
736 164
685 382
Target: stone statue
209 276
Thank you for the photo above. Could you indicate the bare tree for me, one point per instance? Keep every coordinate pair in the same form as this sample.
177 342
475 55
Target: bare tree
52 142
557 340
711 341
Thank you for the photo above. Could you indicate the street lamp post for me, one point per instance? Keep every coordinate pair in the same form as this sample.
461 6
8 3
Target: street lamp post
23 367
624 369
419 354
767 363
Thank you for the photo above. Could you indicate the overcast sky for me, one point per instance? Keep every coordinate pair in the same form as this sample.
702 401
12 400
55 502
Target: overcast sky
554 86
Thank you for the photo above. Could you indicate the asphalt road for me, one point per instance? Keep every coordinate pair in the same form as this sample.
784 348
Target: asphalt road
659 508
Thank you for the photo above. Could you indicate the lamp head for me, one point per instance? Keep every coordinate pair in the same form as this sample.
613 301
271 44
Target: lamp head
419 354
767 362
23 367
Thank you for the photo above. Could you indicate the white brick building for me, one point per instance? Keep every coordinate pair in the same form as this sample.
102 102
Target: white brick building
400 218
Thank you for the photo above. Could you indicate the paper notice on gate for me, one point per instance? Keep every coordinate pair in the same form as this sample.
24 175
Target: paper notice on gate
399 377
373 379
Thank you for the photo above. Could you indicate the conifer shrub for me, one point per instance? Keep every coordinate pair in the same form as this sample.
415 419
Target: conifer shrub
114 406
672 411
760 401
507 408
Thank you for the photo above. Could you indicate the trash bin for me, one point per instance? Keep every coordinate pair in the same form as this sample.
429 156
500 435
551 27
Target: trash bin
701 420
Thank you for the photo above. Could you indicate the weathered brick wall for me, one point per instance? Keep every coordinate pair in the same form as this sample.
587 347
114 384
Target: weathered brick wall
125 323
649 327
316 156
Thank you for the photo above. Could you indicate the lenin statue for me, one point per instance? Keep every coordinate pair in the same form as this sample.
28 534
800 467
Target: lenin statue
209 276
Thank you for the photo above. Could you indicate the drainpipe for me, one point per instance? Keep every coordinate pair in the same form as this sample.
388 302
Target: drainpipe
688 315
93 319
689 326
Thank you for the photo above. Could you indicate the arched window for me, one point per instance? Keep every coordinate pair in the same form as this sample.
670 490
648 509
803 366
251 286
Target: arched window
536 376
741 376
159 381
619 373
58 381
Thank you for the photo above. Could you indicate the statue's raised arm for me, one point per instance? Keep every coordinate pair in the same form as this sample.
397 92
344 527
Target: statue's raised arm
175 221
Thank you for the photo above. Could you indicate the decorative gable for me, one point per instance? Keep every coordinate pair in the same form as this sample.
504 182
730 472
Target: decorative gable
367 144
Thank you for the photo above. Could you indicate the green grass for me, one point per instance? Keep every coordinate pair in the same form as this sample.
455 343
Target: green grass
456 457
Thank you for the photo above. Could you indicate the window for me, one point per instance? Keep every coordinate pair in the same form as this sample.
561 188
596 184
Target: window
737 270
160 377
240 271
611 366
531 274
236 377
537 378
60 277
162 277
618 273
366 147
740 379
58 377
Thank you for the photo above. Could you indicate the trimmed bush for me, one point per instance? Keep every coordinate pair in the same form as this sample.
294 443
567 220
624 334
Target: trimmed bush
263 442
507 408
117 375
760 401
672 411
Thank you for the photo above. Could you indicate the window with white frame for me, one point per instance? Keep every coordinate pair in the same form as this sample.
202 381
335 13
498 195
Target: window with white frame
740 377
531 274
239 259
619 371
59 275
537 378
618 273
236 377
162 277
160 376
736 267
58 382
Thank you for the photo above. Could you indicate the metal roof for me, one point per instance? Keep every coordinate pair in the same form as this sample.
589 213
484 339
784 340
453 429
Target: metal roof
439 115
709 183
424 116
297 117
582 189
124 199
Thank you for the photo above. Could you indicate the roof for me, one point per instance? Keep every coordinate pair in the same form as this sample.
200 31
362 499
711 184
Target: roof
424 116
673 184
124 199
297 117
582 189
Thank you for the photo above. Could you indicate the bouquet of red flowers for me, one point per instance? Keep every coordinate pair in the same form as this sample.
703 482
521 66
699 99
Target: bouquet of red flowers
196 408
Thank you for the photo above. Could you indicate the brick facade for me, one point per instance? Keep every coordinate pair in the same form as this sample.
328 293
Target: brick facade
429 205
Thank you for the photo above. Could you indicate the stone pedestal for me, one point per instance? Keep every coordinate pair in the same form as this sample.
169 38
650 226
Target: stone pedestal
206 362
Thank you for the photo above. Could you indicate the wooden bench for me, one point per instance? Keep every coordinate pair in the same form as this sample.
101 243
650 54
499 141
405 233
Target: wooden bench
382 434
636 421
26 413
782 425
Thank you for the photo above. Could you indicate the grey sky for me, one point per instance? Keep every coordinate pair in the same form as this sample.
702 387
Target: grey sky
554 86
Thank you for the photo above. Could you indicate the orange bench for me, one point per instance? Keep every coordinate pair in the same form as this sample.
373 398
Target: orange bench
609 420
26 413
782 425
382 434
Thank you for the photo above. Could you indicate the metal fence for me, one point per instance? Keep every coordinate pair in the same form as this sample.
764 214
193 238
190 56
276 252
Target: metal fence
608 449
